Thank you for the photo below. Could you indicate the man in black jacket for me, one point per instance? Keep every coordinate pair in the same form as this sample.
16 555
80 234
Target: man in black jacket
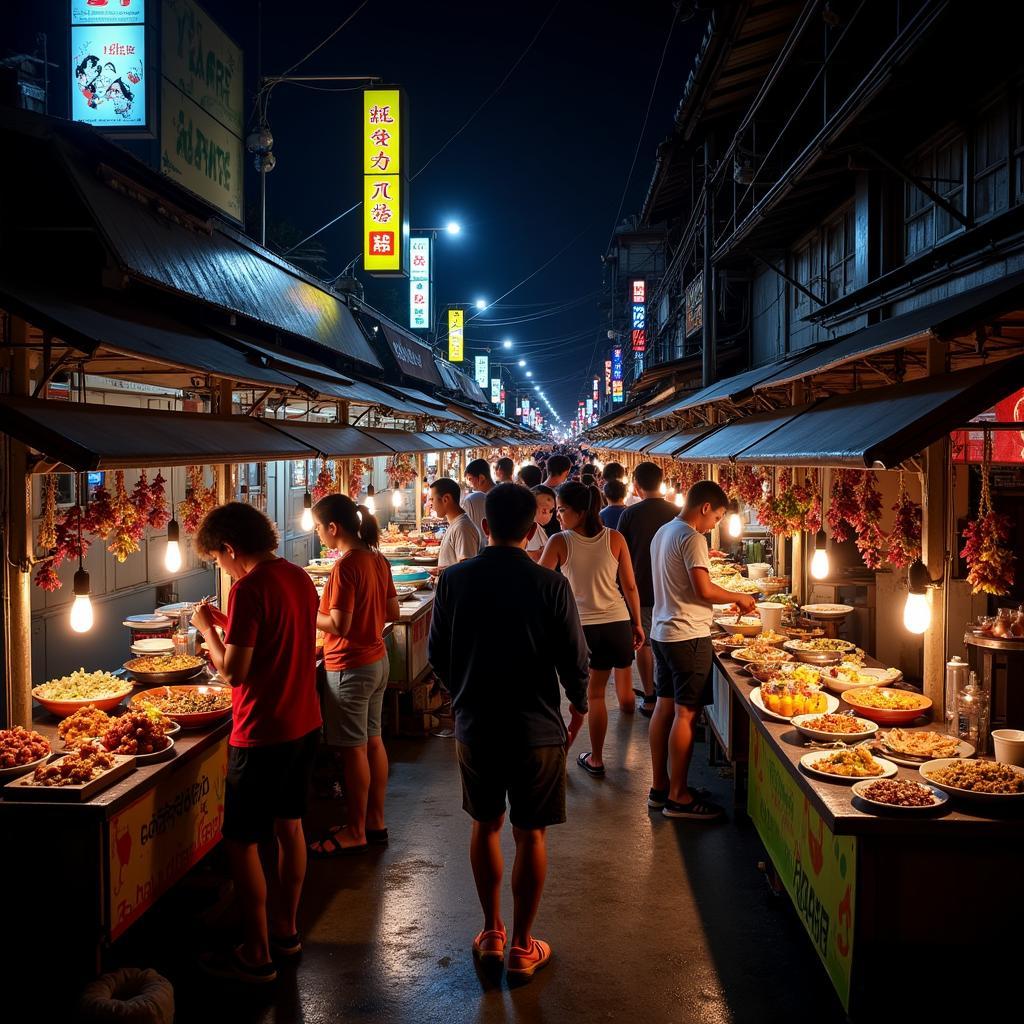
509 730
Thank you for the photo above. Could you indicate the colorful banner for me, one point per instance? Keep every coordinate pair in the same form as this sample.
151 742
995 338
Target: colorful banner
108 75
171 827
818 869
495 390
481 365
607 377
420 269
695 305
597 390
114 12
455 328
385 224
639 330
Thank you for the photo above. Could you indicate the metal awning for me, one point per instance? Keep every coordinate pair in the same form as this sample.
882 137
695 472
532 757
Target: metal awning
675 442
418 396
404 441
331 440
724 443
884 427
81 437
939 319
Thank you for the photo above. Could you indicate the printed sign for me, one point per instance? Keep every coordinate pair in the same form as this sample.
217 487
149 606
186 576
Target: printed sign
154 841
482 367
420 270
108 69
597 390
1007 445
107 12
818 869
455 328
695 305
607 377
199 153
385 225
495 390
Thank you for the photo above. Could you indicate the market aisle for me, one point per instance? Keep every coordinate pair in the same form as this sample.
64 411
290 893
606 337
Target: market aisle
650 920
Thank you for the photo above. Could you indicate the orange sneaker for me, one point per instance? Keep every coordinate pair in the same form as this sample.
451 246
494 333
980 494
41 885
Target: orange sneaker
524 963
490 945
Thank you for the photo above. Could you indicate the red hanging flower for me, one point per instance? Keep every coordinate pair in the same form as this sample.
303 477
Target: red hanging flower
990 559
842 508
159 514
324 482
871 540
905 539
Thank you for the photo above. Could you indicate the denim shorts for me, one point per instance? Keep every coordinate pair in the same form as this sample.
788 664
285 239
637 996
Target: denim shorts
352 702
682 671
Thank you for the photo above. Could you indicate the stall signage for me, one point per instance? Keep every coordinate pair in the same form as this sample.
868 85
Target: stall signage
107 70
385 220
420 269
818 869
1007 445
695 305
607 377
455 327
597 388
154 841
638 333
590 408
483 370
495 390
617 375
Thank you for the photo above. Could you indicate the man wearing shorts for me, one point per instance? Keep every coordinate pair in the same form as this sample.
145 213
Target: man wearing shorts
681 638
510 735
266 659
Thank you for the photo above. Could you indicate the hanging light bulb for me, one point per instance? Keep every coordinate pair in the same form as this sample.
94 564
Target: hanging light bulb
679 499
371 505
306 522
172 556
663 488
917 612
396 498
81 609
734 522
819 560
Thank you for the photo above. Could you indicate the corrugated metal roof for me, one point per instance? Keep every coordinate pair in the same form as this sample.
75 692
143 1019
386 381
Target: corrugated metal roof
724 443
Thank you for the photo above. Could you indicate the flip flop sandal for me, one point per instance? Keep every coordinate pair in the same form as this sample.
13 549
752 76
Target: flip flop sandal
329 849
286 947
532 959
492 934
584 762
374 836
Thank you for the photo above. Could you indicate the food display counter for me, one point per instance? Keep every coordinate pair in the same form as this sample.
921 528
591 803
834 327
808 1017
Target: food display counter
877 892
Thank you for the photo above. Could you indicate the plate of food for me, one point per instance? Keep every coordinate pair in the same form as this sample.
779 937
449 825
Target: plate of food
912 747
848 676
76 775
847 765
826 611
770 638
793 671
990 781
165 668
139 734
739 585
889 707
730 642
319 568
802 632
782 701
21 751
831 727
410 575
192 707
745 625
66 694
899 795
761 654
819 650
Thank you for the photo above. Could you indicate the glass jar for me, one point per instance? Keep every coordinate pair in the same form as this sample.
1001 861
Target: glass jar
957 674
972 711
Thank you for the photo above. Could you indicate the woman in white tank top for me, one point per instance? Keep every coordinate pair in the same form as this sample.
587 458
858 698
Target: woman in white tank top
596 562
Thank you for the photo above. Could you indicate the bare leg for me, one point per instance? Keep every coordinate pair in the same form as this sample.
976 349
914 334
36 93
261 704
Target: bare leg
488 867
378 760
680 743
356 768
291 871
624 690
528 874
658 734
598 715
645 666
251 886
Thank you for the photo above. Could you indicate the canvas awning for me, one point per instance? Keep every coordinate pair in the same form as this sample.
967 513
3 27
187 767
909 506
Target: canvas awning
331 440
675 441
724 443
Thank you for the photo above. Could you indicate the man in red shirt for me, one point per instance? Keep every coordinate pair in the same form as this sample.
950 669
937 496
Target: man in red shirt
267 657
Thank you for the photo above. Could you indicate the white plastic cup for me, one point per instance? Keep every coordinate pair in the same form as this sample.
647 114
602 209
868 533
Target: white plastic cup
758 570
1009 746
771 615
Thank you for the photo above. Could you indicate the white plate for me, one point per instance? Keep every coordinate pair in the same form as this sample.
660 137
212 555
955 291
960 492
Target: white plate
759 661
964 753
881 677
827 611
967 794
147 622
862 784
808 760
23 769
831 706
157 755
155 645
867 730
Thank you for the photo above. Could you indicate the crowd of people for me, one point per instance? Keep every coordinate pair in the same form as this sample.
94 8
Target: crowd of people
584 577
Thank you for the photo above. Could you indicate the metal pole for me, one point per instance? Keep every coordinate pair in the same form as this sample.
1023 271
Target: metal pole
708 301
263 205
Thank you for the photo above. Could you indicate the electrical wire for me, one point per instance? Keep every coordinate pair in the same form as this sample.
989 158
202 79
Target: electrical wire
326 40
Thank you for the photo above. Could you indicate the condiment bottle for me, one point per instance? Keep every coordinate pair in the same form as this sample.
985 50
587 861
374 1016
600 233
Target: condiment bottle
972 709
181 633
957 672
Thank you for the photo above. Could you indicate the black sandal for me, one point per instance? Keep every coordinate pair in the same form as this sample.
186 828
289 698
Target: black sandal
596 771
330 848
698 809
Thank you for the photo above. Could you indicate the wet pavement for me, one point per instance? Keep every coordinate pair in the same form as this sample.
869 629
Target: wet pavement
650 920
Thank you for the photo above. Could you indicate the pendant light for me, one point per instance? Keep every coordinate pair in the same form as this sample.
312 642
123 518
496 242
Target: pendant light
306 521
396 497
819 560
371 505
734 521
917 612
172 555
81 607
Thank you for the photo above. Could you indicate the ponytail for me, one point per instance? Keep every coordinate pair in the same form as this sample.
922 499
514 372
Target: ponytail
352 519
584 501
369 528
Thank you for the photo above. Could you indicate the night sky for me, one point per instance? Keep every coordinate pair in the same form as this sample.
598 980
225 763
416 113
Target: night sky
541 167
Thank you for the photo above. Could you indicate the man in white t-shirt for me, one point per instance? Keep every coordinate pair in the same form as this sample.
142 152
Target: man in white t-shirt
478 477
545 513
681 638
462 539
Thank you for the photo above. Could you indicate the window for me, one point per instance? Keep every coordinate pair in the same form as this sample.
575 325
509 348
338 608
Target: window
991 163
941 168
807 270
299 473
841 254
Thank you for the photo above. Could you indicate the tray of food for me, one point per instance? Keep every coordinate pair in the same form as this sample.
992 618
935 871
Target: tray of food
849 676
889 707
847 765
830 728
819 650
21 750
739 585
66 694
75 776
761 654
730 642
826 611
899 795
192 707
990 781
912 747
410 576
782 700
745 625
138 733
165 668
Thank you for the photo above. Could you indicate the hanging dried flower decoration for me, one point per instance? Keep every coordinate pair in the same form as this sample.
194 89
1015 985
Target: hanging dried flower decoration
871 539
842 506
325 483
199 499
47 539
128 523
905 539
66 547
355 478
159 514
990 560
400 469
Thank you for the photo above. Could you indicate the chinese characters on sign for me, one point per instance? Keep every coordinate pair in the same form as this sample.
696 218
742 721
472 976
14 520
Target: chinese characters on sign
483 370
455 319
607 377
420 269
590 408
385 227
495 390
639 330
616 374
597 386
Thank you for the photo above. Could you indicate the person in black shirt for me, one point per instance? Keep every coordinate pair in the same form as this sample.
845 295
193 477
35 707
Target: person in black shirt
509 730
638 524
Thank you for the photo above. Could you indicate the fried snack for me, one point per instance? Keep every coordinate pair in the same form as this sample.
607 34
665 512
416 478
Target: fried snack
187 702
135 732
86 723
82 765
82 685
849 764
20 746
164 663
978 777
921 743
900 793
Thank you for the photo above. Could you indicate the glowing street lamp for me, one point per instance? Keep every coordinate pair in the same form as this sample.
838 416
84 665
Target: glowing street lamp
453 227
480 304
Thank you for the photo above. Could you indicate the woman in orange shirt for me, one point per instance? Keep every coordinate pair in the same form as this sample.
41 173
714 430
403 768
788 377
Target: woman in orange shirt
358 601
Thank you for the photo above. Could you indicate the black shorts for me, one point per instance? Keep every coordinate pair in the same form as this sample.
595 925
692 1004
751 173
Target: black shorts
266 783
533 778
610 644
682 671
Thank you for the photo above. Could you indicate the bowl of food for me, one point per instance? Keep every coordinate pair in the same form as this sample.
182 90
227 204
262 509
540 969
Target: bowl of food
899 795
829 728
847 676
191 707
889 707
138 733
404 591
772 585
819 650
847 765
21 750
990 781
770 638
745 625
66 694
164 668
410 576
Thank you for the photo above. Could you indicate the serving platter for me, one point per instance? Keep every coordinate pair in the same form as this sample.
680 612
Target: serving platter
831 706
802 724
808 761
860 787
25 788
186 719
965 751
23 769
926 770
826 611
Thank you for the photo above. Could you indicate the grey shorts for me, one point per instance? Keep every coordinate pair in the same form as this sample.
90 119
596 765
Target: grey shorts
646 619
352 703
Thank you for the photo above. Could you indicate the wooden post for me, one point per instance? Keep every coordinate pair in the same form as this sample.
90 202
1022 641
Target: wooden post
934 489
221 405
417 491
19 548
